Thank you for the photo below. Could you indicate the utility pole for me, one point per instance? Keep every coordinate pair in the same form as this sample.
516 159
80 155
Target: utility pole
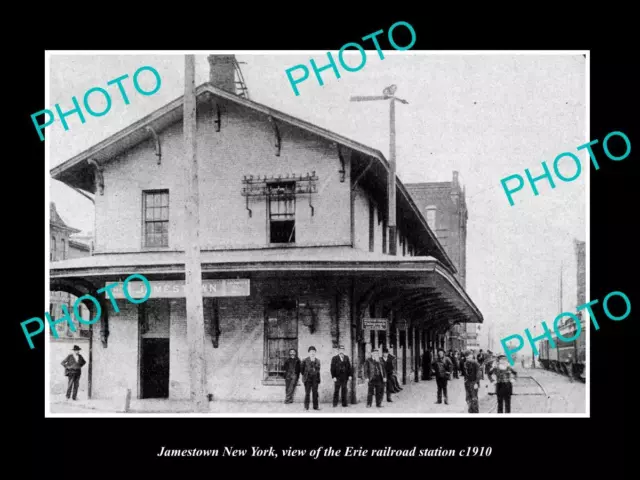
533 355
193 267
388 94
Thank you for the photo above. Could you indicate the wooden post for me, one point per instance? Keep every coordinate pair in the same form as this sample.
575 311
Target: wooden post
418 345
416 354
392 178
405 337
193 267
355 361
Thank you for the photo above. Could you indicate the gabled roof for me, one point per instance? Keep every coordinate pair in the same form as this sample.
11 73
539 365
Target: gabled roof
135 133
77 173
56 220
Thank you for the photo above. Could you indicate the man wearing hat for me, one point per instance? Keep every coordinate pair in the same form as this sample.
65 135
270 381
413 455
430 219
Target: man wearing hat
310 371
443 368
505 376
341 373
375 373
471 381
72 369
388 368
291 374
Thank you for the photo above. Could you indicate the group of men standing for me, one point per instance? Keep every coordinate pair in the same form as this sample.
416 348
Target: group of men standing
473 369
443 367
379 373
380 376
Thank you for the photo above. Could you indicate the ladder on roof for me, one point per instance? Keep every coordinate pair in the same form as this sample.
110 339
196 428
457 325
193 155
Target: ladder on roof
241 86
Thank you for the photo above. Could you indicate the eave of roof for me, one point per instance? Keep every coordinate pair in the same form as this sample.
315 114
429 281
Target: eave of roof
121 141
318 259
64 227
201 92
79 245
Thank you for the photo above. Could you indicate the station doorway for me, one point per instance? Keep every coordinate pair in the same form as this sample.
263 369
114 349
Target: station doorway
154 348
154 368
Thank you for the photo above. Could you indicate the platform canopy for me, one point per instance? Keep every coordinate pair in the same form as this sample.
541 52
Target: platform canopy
420 288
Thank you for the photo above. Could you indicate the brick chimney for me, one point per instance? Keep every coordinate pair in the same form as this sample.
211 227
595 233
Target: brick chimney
222 72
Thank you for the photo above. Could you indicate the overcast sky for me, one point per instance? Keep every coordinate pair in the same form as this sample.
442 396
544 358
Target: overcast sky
486 116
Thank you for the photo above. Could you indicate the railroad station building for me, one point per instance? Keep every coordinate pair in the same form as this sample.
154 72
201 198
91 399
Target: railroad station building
295 251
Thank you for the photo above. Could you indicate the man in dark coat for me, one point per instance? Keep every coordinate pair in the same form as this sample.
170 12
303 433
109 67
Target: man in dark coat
471 382
73 369
426 365
341 373
462 362
480 358
375 373
443 368
310 370
570 367
388 369
291 375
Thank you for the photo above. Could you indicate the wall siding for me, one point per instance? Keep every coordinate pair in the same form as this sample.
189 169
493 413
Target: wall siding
225 157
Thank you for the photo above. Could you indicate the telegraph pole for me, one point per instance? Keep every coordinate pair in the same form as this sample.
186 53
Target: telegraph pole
193 267
388 94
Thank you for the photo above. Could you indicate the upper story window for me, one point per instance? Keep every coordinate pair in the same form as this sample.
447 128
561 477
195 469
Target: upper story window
431 218
63 249
282 212
52 249
155 205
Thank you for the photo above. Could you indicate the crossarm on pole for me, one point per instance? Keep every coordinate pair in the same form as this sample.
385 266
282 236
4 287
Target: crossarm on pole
367 98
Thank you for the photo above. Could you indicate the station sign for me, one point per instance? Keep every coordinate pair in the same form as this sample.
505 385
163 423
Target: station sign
176 288
375 323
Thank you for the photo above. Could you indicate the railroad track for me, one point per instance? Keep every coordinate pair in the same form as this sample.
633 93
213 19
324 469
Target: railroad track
529 396
580 379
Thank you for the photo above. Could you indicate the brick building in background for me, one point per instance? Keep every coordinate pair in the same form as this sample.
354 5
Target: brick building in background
444 206
294 248
62 247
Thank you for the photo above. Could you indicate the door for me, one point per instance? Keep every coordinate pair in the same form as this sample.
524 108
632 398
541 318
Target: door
155 368
281 326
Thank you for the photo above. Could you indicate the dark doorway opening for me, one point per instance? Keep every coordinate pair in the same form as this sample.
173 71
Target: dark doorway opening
155 368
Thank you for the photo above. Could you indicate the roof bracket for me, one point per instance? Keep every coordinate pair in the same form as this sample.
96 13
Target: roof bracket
157 140
276 130
248 209
98 177
342 170
104 328
216 120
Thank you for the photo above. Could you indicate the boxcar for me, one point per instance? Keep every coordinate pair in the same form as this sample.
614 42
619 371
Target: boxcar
557 358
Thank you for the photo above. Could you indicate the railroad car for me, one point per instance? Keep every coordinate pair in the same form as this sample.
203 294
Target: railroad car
557 359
